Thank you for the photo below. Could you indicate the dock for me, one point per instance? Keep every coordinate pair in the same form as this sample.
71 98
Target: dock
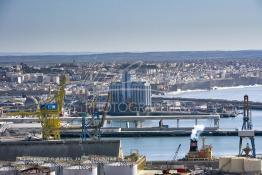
115 118
137 119
156 165
154 132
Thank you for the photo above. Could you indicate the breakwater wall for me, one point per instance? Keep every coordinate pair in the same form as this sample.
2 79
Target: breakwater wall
9 150
239 104
155 132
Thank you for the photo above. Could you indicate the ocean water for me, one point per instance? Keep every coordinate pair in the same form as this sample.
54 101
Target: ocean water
230 93
163 148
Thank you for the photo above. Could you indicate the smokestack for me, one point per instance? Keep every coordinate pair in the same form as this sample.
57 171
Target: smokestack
193 145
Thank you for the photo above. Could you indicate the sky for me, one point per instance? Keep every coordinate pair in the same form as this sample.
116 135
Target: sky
129 25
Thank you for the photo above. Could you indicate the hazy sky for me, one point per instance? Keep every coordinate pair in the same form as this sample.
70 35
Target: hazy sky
129 25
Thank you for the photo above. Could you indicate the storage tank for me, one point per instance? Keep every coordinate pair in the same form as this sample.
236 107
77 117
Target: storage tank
80 170
253 166
118 168
52 173
225 163
56 169
237 165
7 171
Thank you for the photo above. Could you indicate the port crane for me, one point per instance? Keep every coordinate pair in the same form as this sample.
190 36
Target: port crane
247 132
174 158
48 112
92 128
176 153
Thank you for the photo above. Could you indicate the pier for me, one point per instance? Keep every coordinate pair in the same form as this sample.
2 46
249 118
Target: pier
156 165
75 131
153 132
137 119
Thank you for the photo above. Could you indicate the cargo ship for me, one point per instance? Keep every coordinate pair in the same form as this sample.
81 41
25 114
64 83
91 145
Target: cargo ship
195 154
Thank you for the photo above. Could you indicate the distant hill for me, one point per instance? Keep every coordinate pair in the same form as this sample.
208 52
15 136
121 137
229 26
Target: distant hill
125 56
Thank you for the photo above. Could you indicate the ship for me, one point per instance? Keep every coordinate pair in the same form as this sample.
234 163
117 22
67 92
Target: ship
203 154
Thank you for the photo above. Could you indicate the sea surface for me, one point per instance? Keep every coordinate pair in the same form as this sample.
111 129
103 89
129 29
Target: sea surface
164 148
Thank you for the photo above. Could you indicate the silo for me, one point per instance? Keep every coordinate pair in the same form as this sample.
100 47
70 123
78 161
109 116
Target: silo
80 170
56 169
118 168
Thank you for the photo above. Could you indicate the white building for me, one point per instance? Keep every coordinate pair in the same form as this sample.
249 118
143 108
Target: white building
128 91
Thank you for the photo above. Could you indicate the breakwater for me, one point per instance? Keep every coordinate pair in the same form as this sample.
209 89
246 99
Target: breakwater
237 103
155 132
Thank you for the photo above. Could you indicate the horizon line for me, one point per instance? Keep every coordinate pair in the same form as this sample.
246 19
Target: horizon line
45 53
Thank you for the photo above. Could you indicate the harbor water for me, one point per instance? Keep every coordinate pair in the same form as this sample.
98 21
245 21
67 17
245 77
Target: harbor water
163 148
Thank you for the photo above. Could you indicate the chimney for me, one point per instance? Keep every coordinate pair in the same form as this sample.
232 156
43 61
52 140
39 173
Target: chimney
193 145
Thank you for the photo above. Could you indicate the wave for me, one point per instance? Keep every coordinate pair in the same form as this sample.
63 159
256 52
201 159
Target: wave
182 92
179 92
235 87
185 91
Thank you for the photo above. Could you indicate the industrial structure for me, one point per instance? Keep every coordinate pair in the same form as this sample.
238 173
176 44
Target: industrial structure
74 149
86 165
91 127
195 154
246 161
48 112
129 95
247 132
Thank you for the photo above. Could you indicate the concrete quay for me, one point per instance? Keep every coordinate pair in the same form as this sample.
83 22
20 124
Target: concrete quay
116 118
137 119
156 165
154 132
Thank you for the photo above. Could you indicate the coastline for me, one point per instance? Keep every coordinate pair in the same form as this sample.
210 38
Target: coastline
215 88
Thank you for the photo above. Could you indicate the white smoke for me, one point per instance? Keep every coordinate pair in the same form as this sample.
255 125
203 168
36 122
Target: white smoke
196 131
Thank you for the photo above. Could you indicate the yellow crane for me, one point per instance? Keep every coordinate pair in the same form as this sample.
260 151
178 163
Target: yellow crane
48 113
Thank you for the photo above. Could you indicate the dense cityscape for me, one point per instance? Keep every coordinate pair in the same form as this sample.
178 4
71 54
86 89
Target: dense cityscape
163 76
84 80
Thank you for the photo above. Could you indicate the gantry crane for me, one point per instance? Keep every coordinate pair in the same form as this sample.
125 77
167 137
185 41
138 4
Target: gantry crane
176 153
48 112
247 132
92 127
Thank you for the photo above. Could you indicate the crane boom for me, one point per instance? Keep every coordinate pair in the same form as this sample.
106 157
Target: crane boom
48 113
176 153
